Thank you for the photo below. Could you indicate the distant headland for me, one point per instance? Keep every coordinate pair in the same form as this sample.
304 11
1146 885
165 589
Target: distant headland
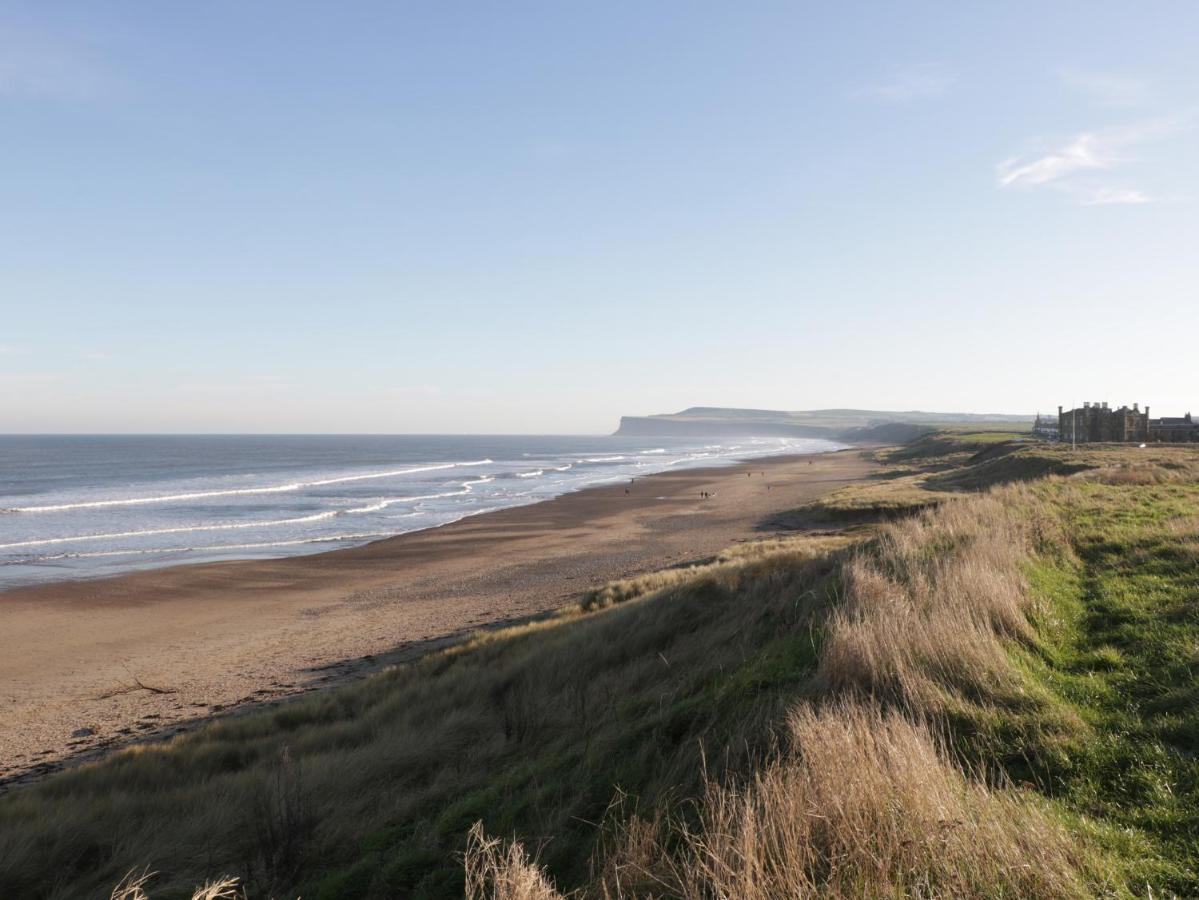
844 424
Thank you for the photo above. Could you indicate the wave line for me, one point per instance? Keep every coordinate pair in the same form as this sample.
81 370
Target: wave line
271 489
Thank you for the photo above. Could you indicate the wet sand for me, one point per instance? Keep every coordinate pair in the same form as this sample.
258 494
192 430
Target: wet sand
86 666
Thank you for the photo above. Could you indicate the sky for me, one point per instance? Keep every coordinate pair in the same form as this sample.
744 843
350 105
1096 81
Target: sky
525 217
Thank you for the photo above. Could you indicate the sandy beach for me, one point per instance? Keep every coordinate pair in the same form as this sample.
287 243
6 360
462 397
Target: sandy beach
88 666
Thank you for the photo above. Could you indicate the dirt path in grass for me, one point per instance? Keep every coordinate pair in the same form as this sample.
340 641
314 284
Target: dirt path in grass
86 666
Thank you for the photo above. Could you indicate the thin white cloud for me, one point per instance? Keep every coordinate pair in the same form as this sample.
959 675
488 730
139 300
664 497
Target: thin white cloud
910 83
1086 152
1109 89
1083 166
1107 196
1086 193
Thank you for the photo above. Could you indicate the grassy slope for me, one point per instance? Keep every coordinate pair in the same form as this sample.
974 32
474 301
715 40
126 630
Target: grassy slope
1113 731
1081 688
370 790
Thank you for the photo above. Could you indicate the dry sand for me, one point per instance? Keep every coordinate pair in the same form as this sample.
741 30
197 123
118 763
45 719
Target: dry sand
86 666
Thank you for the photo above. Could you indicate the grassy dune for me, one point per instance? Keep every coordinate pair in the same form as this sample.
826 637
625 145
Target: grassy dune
983 686
370 790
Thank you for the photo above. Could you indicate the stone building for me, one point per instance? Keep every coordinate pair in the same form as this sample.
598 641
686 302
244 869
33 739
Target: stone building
1097 422
1174 430
1046 427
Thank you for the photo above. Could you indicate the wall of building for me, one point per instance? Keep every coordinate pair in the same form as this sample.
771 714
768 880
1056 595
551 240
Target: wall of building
1097 423
1174 430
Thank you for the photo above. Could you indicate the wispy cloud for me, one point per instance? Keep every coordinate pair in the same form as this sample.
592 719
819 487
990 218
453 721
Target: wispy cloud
920 82
1104 196
1109 89
1085 152
1085 165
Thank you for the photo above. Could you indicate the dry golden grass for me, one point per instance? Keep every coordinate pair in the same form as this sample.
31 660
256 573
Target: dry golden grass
885 499
726 570
1144 467
133 887
501 872
867 802
904 823
926 607
865 805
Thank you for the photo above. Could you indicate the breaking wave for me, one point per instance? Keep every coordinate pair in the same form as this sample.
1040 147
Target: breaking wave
233 492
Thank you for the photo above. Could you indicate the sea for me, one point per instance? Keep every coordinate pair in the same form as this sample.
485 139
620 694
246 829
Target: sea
85 506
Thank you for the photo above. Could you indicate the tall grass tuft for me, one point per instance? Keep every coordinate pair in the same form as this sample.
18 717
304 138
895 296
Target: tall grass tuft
868 806
865 805
133 887
501 872
926 606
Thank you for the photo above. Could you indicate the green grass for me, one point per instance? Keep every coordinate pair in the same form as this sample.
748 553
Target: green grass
992 435
1120 646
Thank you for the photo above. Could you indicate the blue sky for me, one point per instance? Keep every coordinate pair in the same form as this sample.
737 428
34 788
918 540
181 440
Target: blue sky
534 217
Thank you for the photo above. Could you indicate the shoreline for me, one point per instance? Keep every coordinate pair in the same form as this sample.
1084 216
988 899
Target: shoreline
89 665
215 554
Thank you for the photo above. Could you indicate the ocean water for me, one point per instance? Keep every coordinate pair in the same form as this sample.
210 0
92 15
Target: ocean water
85 506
